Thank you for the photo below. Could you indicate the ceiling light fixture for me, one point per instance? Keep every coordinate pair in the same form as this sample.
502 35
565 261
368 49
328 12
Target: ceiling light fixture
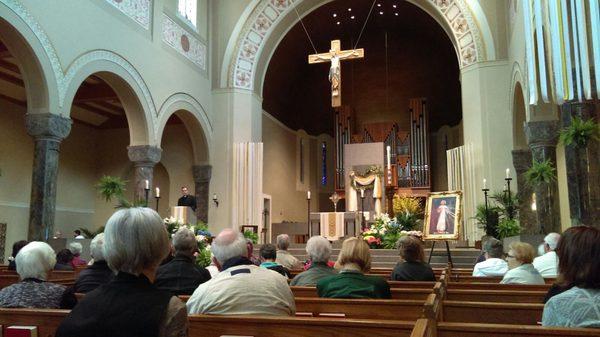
349 9
352 17
381 13
337 23
394 6
378 5
396 14
334 15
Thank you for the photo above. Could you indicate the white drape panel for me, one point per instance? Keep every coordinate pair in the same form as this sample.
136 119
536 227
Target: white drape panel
562 46
461 177
247 194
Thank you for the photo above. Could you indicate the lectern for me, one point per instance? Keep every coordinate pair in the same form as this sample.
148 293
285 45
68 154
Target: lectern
184 214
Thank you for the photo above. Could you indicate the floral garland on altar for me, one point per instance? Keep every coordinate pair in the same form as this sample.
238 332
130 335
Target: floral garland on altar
203 237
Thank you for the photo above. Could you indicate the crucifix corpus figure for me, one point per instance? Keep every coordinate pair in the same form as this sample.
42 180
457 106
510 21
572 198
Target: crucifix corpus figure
334 56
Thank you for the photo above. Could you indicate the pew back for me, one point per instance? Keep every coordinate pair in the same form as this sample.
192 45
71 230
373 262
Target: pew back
485 312
449 329
397 293
506 296
361 308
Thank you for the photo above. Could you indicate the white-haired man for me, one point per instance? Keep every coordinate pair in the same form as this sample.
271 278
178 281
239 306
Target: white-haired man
547 264
98 273
319 250
181 275
284 257
241 288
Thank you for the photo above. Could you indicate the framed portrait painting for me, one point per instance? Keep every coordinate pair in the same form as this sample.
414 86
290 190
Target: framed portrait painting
443 216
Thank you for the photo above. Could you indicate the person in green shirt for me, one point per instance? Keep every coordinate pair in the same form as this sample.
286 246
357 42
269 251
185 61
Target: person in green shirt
353 262
319 250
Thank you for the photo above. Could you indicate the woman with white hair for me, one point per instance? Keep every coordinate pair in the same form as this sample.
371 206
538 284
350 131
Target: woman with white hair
135 242
98 273
76 248
35 262
319 250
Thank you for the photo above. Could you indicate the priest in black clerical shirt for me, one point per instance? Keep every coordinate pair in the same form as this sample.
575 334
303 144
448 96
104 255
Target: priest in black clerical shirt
186 199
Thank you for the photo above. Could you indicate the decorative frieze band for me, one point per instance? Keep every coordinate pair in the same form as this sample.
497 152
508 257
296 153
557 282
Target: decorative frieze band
183 42
139 11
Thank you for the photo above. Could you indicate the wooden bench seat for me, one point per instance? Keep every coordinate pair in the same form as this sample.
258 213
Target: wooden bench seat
493 279
397 293
498 286
507 296
217 326
485 312
449 329
48 320
361 308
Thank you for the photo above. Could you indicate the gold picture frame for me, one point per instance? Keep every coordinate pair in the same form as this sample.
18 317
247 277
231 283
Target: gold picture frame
448 205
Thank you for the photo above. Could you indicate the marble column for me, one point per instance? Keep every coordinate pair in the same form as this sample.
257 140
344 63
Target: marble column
583 168
202 174
542 137
47 130
527 217
144 158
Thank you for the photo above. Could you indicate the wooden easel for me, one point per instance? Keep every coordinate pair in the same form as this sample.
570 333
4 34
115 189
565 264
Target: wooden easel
447 252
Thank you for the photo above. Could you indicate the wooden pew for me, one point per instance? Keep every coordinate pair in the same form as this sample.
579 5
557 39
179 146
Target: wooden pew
397 293
485 312
424 328
493 279
412 284
6 280
450 329
506 296
48 320
498 286
361 308
61 274
268 326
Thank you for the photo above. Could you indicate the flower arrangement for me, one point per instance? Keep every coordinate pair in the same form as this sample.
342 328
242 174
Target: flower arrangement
385 232
203 237
408 211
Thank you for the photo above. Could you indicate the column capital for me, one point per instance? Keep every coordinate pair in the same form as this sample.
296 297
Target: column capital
202 173
48 126
542 133
521 160
144 155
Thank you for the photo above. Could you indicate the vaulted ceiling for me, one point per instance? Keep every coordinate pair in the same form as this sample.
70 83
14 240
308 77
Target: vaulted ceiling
419 61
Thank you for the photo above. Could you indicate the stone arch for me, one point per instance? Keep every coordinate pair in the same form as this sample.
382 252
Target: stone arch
38 63
519 108
127 84
196 122
270 20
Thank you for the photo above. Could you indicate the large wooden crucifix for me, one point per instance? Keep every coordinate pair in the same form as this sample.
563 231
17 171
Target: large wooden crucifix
335 55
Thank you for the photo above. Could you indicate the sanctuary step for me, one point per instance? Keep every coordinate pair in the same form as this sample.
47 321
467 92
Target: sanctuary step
387 258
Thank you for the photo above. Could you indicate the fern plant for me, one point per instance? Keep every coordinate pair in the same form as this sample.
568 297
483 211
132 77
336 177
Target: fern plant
540 173
508 227
580 132
91 234
111 187
487 219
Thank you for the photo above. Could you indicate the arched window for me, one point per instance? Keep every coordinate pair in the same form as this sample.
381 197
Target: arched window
188 10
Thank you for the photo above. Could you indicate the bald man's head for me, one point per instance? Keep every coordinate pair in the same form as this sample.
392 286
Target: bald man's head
229 244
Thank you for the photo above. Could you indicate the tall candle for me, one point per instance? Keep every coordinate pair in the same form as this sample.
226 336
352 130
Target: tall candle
157 194
484 183
389 159
507 173
362 193
308 195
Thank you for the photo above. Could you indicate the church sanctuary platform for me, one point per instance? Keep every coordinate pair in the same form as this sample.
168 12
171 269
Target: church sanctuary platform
387 258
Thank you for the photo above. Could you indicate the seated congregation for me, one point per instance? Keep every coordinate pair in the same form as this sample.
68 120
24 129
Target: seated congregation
140 283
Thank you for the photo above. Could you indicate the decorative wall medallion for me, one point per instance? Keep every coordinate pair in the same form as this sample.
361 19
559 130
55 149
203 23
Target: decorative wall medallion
137 10
267 14
186 44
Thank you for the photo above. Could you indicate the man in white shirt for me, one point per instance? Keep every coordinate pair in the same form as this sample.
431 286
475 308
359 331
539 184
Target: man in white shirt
547 264
493 265
241 288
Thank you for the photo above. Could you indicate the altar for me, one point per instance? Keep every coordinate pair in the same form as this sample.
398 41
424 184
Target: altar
335 225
